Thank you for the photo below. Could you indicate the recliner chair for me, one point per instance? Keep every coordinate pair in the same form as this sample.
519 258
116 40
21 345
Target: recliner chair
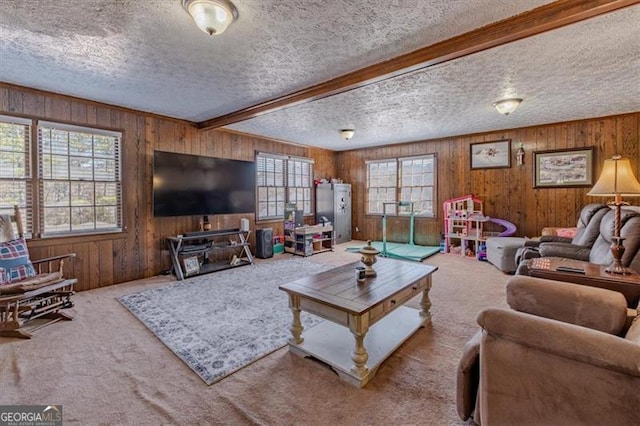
564 354
587 231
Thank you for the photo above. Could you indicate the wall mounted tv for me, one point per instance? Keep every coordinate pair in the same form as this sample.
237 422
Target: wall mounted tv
186 185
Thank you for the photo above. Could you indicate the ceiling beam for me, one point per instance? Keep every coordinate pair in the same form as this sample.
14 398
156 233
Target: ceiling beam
545 18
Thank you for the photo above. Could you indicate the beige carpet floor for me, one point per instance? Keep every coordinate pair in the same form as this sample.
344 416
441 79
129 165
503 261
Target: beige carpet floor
106 367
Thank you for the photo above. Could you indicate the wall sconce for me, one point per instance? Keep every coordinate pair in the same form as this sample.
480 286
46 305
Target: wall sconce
347 134
507 106
520 155
211 16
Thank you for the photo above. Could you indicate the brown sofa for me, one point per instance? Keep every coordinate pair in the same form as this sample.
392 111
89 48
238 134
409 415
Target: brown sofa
586 233
600 252
566 354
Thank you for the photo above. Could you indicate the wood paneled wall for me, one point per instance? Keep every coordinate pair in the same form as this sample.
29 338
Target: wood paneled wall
140 251
507 193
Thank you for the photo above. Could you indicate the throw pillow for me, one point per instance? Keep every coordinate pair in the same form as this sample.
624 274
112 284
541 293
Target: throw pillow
14 261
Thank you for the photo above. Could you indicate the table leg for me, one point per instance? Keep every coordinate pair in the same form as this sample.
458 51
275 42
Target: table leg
359 327
425 302
296 325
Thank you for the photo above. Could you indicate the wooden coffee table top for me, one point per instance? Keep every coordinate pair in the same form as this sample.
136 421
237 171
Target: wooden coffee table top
338 287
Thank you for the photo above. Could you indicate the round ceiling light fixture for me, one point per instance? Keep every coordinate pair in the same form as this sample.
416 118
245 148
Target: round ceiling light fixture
211 16
346 134
507 106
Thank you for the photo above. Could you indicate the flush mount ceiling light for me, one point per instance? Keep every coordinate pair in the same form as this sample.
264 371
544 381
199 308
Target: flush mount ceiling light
507 106
211 16
347 134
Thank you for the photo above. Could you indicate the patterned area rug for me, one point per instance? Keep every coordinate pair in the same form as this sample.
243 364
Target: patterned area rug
220 322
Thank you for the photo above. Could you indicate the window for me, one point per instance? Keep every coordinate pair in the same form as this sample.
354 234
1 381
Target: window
299 182
417 177
15 167
77 186
410 180
280 180
382 178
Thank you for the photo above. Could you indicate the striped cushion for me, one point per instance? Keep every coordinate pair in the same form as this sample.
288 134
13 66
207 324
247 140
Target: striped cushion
14 261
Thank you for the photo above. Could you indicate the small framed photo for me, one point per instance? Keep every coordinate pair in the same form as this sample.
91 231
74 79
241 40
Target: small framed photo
491 155
563 168
191 265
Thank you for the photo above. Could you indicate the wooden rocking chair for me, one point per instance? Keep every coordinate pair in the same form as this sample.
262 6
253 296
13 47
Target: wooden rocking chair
44 295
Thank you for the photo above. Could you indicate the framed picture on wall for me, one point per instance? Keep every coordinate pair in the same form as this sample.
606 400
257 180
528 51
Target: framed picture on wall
491 155
563 168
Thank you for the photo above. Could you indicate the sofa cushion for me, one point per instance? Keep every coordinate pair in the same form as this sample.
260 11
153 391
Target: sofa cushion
591 307
14 261
31 283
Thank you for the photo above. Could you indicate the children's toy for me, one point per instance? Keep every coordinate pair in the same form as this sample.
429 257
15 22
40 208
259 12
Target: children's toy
464 232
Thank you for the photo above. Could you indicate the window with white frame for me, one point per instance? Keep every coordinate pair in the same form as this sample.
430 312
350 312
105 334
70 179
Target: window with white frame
77 188
300 183
15 167
280 180
395 186
417 185
382 181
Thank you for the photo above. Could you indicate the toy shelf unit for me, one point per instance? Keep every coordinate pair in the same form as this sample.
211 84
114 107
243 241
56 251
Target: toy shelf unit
310 240
464 227
196 253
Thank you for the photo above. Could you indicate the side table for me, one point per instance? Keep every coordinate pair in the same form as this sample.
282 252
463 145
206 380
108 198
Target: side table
594 276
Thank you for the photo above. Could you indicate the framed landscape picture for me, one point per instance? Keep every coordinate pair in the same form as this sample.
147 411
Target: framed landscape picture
491 155
563 168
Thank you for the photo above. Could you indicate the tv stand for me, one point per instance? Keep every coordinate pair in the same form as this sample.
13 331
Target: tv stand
191 252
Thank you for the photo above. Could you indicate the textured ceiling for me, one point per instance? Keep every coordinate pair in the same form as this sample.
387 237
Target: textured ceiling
149 55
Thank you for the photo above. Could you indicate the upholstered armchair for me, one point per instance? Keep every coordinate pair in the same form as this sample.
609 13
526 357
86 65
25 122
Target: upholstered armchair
566 354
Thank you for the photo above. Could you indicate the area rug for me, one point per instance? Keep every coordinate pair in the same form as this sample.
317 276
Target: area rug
223 321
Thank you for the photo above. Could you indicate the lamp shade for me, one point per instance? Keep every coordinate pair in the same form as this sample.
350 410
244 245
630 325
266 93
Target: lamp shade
616 178
211 16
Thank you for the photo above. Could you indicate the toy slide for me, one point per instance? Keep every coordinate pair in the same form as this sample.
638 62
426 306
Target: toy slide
509 230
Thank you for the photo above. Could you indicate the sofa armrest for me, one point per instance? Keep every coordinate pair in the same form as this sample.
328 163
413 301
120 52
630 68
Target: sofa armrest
563 340
554 239
467 377
592 307
564 250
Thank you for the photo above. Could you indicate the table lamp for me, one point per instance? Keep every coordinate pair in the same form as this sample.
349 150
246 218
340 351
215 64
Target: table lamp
617 180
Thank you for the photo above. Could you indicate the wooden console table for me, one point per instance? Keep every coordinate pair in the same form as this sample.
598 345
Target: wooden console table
366 322
594 276
194 244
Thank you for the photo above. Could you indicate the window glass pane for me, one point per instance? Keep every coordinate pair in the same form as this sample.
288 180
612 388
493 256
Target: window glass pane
106 217
82 218
106 194
80 168
56 193
13 193
82 194
57 219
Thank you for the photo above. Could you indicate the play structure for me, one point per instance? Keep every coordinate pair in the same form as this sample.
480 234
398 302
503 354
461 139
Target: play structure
408 251
464 227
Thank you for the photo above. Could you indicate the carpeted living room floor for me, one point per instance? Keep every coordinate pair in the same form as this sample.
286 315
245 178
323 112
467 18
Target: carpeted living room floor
106 367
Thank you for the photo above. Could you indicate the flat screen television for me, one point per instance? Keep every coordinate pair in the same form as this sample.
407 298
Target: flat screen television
185 185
